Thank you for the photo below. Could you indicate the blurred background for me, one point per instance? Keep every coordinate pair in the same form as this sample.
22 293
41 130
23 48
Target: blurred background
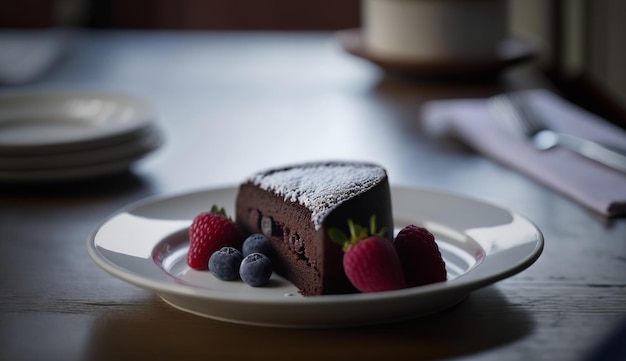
582 47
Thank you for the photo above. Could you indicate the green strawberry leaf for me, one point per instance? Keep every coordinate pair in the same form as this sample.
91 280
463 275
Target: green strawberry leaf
221 211
337 236
357 233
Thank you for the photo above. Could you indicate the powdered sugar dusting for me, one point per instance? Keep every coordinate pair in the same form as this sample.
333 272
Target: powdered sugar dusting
320 186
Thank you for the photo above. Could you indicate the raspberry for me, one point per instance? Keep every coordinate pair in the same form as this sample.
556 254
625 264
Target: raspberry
420 256
372 265
209 232
369 261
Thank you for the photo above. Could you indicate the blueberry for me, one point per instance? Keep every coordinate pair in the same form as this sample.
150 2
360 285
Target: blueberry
257 243
224 264
256 269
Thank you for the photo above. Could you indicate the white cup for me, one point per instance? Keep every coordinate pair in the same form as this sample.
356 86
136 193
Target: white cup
434 29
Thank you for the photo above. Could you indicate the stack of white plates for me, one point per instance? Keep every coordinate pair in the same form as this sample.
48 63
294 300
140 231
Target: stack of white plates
61 136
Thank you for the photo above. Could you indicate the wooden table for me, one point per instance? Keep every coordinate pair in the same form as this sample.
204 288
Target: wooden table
233 103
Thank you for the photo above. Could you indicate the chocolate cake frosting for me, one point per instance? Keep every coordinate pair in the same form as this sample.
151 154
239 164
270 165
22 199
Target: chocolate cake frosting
294 207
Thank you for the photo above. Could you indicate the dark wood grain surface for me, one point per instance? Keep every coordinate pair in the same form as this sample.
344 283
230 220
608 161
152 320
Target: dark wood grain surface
233 103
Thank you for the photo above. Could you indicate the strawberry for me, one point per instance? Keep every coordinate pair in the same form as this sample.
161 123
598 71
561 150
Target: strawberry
209 232
420 257
370 260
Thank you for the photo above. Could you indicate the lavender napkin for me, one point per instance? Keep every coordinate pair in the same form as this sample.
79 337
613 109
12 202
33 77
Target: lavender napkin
594 185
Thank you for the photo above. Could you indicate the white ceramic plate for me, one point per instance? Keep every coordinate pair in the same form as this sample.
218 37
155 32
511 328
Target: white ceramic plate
62 121
146 244
144 142
72 166
41 176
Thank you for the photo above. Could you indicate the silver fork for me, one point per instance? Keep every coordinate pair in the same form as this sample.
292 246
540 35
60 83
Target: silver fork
515 113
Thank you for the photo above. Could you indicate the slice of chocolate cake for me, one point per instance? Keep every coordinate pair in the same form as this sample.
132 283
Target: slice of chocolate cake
295 206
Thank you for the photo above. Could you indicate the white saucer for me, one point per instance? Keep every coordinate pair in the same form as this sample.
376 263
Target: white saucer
146 244
60 121
510 52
